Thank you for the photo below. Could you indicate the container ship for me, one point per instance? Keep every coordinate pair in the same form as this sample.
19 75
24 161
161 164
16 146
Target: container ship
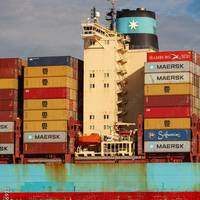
121 124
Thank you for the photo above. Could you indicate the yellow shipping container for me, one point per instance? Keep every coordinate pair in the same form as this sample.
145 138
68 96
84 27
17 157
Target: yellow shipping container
45 126
46 115
50 104
168 89
45 82
48 71
72 83
8 83
167 123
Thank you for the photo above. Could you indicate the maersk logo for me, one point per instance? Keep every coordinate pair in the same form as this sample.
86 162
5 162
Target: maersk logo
3 126
46 137
4 148
169 146
171 66
170 77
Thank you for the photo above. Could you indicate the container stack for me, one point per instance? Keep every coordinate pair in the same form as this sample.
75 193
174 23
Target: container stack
171 97
50 99
10 71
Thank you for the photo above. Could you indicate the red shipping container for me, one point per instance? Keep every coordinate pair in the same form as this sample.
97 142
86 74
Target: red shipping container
8 116
170 56
167 112
6 94
10 62
9 72
9 105
46 93
168 100
45 148
6 138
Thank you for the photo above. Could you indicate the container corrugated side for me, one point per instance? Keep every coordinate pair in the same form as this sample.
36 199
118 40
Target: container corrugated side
40 126
173 66
7 126
47 93
9 105
167 135
10 62
161 78
8 94
32 115
45 137
168 89
44 148
52 71
73 94
167 100
8 116
162 112
51 104
167 123
6 149
7 137
8 83
9 72
167 146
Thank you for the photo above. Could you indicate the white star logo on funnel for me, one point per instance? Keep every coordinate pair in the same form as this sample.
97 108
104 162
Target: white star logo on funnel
133 25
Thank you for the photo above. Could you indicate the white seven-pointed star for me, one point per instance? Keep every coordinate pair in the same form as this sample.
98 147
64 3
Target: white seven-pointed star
133 24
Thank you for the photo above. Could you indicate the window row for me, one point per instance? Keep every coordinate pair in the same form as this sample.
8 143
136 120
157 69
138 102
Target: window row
93 116
92 75
106 85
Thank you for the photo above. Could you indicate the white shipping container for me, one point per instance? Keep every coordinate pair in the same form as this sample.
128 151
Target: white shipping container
6 149
167 146
7 127
159 78
45 137
178 66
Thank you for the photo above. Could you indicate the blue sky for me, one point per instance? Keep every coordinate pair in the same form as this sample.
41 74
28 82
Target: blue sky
53 27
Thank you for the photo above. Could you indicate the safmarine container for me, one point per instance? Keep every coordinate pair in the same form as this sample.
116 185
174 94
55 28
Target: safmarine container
162 112
47 93
6 149
9 105
8 83
7 137
42 104
8 94
44 148
50 61
32 126
7 127
167 100
8 115
46 115
160 78
45 137
49 71
167 135
167 146
167 123
168 89
173 66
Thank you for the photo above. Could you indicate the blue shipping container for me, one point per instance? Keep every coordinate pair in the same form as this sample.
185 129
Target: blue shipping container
167 135
50 61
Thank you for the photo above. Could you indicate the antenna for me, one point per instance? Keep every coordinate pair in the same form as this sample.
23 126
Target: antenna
111 15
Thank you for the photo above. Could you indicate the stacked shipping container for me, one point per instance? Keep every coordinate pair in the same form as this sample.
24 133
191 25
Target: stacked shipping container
171 97
10 70
50 99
